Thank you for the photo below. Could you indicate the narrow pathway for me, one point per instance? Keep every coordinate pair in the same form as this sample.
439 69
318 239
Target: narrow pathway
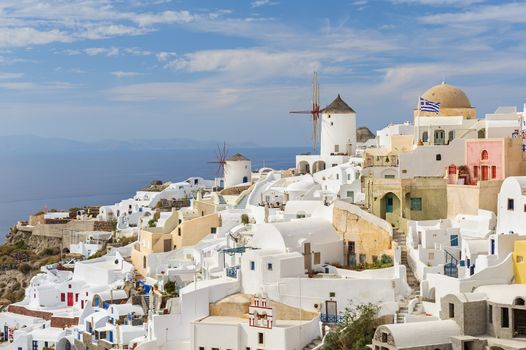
400 239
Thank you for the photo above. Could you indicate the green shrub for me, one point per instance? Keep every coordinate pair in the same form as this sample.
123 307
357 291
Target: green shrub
355 330
21 245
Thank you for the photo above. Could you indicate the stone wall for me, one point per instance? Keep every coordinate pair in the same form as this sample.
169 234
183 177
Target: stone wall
371 235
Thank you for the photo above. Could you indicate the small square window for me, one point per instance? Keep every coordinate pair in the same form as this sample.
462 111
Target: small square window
416 204
519 258
438 157
269 266
213 230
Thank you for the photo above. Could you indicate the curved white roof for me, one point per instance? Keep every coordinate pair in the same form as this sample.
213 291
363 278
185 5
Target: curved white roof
520 182
280 236
305 182
503 293
417 334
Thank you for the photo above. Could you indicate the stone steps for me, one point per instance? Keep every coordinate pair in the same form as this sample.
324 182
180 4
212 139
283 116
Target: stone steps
313 344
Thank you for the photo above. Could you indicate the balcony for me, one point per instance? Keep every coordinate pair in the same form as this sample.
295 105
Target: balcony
381 161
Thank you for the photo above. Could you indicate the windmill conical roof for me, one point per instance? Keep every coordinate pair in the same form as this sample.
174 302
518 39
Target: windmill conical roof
338 106
238 157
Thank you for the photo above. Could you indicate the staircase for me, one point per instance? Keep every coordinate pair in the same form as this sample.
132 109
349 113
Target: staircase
400 239
314 344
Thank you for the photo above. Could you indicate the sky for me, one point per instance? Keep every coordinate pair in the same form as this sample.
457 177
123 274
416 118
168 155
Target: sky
93 70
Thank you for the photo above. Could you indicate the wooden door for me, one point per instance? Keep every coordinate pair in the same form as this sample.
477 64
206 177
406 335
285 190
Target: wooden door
70 299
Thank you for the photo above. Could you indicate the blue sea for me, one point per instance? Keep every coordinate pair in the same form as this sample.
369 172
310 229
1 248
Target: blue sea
31 181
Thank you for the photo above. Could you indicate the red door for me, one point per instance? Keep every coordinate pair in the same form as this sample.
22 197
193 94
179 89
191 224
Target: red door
485 172
70 299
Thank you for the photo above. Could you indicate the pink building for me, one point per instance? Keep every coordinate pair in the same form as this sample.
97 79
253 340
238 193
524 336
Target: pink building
488 159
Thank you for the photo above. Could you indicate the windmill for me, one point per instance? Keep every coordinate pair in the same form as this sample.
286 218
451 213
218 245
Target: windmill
221 155
315 111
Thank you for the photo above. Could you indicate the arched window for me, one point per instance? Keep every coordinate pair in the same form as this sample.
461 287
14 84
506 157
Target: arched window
484 155
425 136
451 135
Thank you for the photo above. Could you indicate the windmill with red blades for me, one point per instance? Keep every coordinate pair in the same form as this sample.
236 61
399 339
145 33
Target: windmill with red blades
314 112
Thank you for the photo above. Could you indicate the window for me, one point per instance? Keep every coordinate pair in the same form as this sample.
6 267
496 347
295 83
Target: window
484 155
62 296
201 348
337 176
213 230
269 266
416 204
490 314
505 317
389 176
451 310
179 231
336 147
349 177
261 338
438 157
144 262
519 258
425 136
363 258
451 135
493 172
511 204
35 345
332 295
384 337
453 239
252 265
375 258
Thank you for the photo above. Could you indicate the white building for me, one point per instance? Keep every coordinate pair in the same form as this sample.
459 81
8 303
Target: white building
238 170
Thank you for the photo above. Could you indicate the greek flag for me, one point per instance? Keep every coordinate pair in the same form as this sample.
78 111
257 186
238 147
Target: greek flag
428 106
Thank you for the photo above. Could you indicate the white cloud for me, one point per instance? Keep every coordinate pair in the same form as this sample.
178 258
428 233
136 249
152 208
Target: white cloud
248 64
166 17
107 51
488 15
121 74
26 36
10 76
440 2
260 3
164 56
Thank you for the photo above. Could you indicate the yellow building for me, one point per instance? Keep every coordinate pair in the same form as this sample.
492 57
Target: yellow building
366 237
519 261
185 227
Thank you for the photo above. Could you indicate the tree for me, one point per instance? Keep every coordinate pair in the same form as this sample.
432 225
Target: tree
355 330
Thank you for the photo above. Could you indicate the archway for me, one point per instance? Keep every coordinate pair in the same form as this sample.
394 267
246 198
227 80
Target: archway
318 165
303 167
389 206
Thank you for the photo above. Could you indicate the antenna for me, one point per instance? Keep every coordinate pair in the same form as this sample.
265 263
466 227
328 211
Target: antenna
315 111
221 155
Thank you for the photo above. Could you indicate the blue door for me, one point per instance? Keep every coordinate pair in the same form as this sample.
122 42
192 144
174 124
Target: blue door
389 204
110 336
6 333
492 247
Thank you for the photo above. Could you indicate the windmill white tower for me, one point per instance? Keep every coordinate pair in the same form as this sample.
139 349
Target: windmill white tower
338 129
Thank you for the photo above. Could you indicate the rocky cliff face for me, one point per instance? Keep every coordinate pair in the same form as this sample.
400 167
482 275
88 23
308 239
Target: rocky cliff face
363 134
21 257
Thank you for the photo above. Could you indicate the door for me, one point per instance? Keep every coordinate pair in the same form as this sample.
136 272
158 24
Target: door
492 247
389 204
70 299
351 254
307 256
6 333
440 137
485 172
350 195
317 258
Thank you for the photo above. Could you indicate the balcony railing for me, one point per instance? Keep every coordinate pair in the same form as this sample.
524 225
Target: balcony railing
381 161
330 318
